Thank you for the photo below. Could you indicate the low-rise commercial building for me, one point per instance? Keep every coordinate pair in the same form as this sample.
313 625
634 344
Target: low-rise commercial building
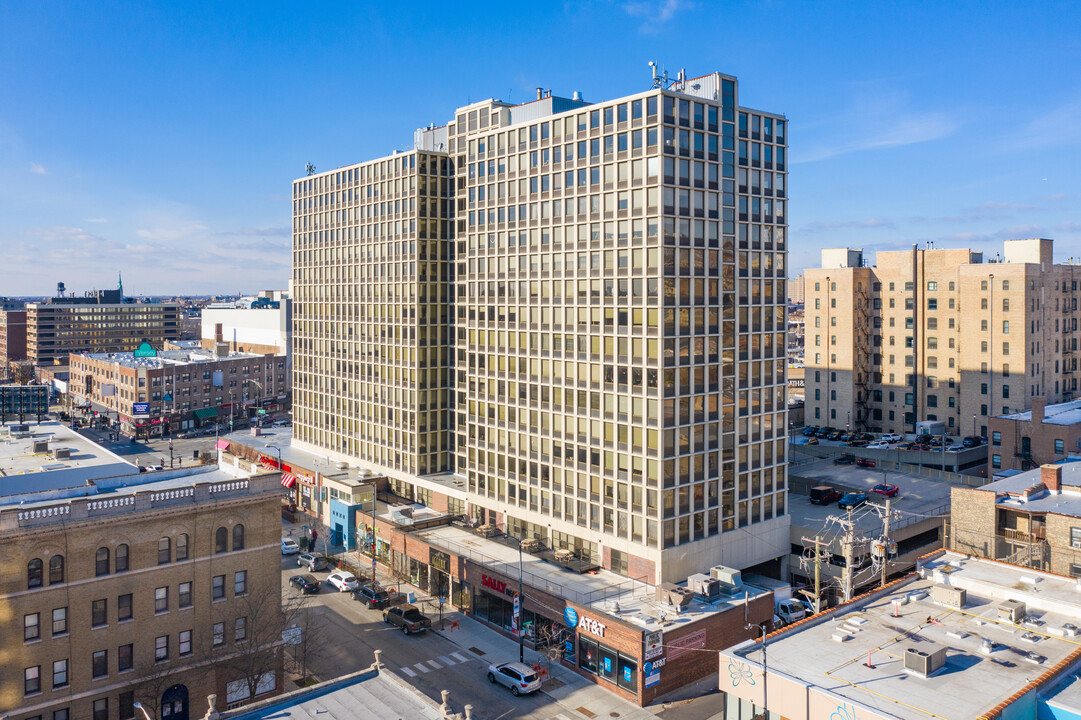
157 588
156 392
1044 434
1029 518
262 324
962 638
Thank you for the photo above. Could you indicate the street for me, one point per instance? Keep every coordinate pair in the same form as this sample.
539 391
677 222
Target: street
434 661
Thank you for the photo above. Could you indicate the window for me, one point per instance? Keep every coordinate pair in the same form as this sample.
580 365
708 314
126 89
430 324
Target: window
219 634
125 657
240 582
217 588
100 665
996 438
996 461
99 613
165 551
1005 392
60 621
1075 537
127 705
101 709
101 562
56 569
240 629
123 607
238 537
161 648
161 600
221 540
32 680
63 714
1060 447
184 595
184 645
34 573
31 626
121 558
60 673
181 547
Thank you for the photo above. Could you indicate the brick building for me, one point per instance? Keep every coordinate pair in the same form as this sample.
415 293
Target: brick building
12 336
144 588
1031 519
184 388
1044 434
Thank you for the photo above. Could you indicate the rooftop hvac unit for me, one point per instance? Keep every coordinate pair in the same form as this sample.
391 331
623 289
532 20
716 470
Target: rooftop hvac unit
341 465
674 595
950 596
62 453
41 446
704 585
1012 610
730 578
924 663
20 428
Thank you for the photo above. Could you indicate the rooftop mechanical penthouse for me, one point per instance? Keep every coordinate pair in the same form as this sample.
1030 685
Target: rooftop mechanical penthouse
568 317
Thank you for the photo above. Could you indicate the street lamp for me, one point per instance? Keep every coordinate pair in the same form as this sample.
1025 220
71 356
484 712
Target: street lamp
142 708
520 599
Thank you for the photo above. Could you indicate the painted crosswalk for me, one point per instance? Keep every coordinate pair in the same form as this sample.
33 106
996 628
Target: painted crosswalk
438 663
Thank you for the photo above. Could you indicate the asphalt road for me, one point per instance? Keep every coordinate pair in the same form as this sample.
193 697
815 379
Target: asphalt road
429 661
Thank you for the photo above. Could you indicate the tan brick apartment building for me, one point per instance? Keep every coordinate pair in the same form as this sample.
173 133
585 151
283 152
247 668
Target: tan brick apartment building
184 387
97 322
1044 434
940 335
1031 519
141 588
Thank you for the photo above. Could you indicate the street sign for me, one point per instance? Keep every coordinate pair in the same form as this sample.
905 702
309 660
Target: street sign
261 411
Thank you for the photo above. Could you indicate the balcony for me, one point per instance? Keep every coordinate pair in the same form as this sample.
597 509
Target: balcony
1037 535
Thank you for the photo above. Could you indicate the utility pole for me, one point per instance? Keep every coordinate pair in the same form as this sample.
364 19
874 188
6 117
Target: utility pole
817 596
848 545
886 549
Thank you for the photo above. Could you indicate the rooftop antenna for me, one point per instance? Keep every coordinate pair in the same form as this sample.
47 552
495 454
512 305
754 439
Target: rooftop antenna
309 169
659 81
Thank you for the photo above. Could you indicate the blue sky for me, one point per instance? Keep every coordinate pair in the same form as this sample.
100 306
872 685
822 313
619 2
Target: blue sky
160 140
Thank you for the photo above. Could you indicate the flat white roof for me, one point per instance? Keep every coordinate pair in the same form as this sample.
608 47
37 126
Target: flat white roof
818 669
24 471
1067 413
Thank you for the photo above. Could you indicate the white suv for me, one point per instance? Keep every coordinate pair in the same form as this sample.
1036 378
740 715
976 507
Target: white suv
891 438
518 677
343 581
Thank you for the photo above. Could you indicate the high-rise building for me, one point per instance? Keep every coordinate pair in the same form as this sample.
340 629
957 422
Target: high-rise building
100 321
574 311
12 337
938 335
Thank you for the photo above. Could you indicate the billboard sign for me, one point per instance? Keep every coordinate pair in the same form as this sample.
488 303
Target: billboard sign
140 409
144 351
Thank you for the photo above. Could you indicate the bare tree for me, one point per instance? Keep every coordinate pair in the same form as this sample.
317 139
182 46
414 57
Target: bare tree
306 638
253 625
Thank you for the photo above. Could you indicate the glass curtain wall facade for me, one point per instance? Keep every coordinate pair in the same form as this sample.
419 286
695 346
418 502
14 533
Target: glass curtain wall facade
612 286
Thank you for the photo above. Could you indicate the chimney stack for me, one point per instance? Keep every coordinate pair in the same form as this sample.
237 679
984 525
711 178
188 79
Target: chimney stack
1038 405
540 93
1051 477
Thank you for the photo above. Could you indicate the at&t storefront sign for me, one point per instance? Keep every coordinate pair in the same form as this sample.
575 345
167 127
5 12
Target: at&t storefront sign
573 620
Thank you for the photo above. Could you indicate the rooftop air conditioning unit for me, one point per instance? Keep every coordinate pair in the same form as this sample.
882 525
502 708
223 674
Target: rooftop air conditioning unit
341 465
41 446
1012 610
674 595
704 585
949 596
924 663
730 579
62 453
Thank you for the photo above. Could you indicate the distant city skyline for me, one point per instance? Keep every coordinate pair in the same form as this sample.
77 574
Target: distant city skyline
161 141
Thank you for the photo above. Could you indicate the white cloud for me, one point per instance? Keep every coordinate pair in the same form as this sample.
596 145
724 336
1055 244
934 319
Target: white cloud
1057 127
38 169
170 233
655 12
98 220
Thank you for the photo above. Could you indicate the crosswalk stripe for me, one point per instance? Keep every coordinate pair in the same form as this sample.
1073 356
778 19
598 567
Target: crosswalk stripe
421 667
408 672
445 660
459 656
561 716
435 665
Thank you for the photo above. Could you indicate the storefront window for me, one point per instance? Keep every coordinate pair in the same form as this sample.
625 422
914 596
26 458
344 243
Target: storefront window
608 664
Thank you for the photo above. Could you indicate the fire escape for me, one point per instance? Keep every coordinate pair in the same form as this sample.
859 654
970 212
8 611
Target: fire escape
861 364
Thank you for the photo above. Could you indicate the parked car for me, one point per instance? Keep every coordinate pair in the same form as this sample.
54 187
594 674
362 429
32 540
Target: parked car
865 436
866 462
844 460
519 677
886 489
407 617
289 547
835 435
372 596
852 500
972 441
824 433
907 446
858 443
810 430
956 447
307 584
891 437
824 495
878 445
342 581
811 441
312 561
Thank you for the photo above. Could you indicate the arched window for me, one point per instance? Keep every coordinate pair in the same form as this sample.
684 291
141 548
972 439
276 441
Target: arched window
221 540
238 537
101 562
34 571
181 547
165 551
56 569
121 559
